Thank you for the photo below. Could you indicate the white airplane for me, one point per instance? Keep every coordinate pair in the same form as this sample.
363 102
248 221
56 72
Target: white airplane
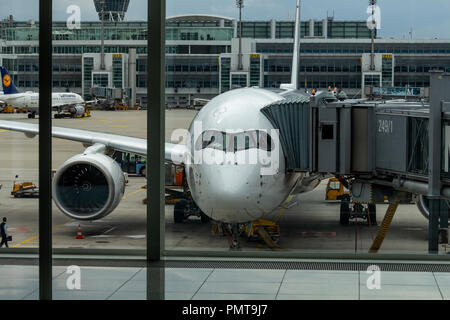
90 185
67 101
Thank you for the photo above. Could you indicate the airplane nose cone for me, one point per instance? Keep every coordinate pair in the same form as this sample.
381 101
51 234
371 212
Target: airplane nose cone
230 192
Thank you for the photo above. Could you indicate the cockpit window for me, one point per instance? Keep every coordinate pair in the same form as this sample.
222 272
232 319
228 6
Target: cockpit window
233 142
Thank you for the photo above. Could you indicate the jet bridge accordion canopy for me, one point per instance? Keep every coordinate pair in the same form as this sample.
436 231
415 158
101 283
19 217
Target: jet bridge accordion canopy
291 117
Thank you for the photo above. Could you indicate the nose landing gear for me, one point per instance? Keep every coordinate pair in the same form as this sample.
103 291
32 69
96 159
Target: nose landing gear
231 230
262 230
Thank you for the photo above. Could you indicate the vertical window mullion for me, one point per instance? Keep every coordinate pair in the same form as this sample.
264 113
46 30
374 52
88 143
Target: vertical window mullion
45 149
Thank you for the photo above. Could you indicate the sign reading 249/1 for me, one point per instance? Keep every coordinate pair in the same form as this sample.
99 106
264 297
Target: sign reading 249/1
385 126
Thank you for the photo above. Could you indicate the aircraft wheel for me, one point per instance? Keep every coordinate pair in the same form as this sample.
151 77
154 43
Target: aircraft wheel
178 211
29 116
345 213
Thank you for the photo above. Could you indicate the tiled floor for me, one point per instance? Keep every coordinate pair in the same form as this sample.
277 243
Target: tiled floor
99 283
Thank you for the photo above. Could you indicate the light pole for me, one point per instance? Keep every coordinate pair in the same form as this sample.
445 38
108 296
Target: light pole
372 3
240 5
102 55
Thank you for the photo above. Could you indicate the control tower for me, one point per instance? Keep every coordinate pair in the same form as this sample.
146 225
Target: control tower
111 10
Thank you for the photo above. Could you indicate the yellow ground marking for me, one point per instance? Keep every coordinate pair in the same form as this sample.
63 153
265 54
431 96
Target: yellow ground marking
3 131
36 237
119 126
105 121
132 193
118 120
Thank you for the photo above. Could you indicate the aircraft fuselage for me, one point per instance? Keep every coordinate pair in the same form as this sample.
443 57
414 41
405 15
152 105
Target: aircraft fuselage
30 100
227 186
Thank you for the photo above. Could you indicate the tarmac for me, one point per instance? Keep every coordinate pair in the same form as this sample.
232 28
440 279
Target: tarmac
308 223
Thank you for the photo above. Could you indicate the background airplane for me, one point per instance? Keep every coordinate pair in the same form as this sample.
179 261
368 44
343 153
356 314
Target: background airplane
67 101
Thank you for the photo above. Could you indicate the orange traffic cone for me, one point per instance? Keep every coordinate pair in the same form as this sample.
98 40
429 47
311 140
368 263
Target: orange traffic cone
79 235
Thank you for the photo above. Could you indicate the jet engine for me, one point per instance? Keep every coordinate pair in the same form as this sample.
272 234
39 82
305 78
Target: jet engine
78 110
88 186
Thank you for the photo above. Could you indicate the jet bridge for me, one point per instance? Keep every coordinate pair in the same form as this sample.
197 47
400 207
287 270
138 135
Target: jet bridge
381 149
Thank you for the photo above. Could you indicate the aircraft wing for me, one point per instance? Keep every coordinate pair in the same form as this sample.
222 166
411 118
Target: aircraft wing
173 152
61 105
67 105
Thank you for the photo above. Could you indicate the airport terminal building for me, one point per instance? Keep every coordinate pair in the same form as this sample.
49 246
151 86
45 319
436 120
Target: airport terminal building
202 54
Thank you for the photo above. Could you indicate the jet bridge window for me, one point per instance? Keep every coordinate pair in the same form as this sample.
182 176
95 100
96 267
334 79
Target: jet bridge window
327 132
233 142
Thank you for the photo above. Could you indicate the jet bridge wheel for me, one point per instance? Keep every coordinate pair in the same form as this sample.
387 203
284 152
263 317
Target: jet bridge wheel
179 211
344 215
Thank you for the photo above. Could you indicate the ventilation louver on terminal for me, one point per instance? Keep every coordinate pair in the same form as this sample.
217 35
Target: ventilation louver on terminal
291 117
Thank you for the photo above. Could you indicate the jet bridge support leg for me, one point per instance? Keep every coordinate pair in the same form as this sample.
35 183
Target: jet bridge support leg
443 222
433 226
376 245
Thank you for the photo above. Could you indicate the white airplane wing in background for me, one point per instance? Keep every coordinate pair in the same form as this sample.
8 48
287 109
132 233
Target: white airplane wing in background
60 105
173 152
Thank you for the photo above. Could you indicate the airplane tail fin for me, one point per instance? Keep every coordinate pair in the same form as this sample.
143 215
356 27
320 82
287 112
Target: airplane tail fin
7 83
296 54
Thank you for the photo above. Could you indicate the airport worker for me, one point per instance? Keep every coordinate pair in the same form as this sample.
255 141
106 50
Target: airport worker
4 233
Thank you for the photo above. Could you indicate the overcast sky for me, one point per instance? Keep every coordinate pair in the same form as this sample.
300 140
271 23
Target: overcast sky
427 18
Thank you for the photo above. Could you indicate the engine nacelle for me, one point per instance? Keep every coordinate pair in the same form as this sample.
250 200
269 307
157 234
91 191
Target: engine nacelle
78 110
88 186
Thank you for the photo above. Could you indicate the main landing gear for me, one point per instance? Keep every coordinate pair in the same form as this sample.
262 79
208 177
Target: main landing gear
186 208
32 115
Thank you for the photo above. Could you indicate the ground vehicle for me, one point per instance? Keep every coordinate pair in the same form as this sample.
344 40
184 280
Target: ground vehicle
25 190
178 193
349 210
357 210
335 190
267 230
8 109
131 163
